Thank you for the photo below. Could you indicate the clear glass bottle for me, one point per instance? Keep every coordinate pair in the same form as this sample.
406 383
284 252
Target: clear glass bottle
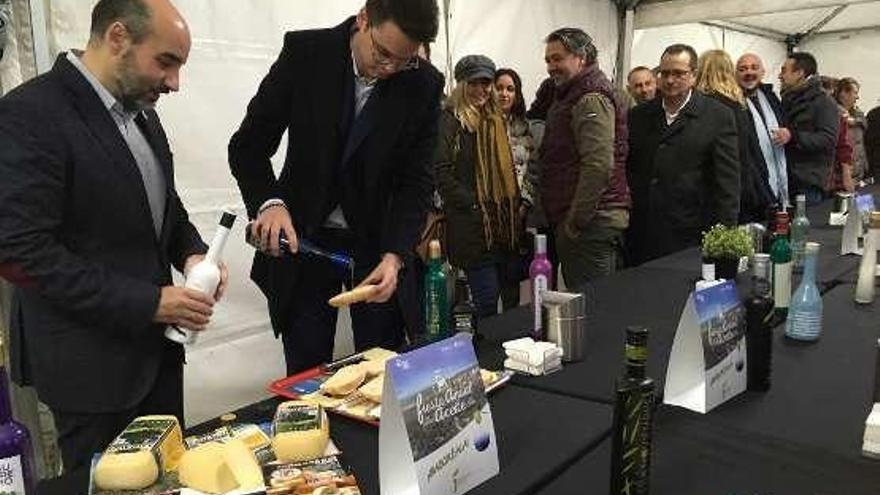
436 291
868 265
759 332
541 278
780 255
633 420
805 315
800 228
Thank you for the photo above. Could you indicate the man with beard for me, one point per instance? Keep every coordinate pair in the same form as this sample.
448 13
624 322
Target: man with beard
583 176
683 163
812 122
90 225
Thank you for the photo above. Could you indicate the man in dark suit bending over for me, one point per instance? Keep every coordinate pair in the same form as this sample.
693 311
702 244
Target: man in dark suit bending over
90 224
360 109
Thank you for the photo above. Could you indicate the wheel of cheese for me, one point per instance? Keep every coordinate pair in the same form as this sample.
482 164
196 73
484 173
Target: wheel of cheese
301 431
345 381
135 459
243 464
373 389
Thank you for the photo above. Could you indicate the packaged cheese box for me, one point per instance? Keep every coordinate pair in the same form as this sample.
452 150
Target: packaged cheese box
146 448
321 476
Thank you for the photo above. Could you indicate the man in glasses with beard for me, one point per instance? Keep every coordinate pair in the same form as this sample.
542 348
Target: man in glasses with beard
360 109
90 225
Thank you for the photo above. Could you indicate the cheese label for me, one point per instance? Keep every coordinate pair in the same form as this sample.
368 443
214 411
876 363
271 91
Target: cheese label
11 476
309 477
298 417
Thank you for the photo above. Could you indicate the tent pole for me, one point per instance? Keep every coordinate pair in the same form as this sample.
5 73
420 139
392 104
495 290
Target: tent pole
625 34
42 57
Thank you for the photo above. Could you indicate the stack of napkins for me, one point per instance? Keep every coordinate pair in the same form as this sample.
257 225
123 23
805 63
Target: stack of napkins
871 445
533 358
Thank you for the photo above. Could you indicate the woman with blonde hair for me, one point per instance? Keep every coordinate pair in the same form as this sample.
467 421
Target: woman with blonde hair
477 182
716 78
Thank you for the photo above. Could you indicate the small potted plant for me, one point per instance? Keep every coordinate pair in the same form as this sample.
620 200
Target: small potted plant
724 246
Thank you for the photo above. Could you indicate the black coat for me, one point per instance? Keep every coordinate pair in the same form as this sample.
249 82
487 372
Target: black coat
814 120
872 141
684 178
755 193
377 167
76 229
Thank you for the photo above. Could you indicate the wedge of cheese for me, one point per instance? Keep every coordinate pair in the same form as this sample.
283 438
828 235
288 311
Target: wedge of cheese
205 469
301 431
243 464
345 380
373 389
147 447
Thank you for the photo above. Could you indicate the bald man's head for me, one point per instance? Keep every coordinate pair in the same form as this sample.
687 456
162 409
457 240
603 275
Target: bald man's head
750 72
138 48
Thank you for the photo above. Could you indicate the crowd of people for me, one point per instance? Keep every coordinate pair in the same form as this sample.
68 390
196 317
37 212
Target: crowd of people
618 179
91 224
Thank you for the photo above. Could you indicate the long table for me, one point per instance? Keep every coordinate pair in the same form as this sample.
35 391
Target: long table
801 437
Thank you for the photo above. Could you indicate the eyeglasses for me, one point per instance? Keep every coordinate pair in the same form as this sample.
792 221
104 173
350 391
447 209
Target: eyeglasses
384 58
675 74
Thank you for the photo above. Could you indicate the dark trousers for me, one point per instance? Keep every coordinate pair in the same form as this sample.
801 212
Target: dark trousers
492 279
309 340
81 435
596 252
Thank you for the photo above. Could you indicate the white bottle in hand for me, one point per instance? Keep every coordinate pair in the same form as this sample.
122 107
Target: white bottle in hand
204 276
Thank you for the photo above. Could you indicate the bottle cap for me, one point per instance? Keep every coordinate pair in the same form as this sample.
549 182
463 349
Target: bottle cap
227 219
801 198
540 243
434 249
709 272
812 247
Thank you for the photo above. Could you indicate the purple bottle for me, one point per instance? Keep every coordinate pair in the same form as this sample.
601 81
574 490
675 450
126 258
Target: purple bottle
541 277
16 454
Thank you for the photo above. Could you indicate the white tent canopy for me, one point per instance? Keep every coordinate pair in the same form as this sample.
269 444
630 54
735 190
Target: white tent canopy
840 33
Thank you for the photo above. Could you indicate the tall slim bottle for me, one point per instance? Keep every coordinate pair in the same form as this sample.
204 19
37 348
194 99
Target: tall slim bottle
17 466
799 231
464 311
805 316
759 333
436 304
867 267
205 275
780 254
633 420
541 278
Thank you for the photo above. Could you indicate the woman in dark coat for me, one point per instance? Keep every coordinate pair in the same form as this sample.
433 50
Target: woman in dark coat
717 79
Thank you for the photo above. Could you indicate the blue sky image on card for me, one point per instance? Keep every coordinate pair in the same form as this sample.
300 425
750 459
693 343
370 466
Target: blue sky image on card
418 370
716 300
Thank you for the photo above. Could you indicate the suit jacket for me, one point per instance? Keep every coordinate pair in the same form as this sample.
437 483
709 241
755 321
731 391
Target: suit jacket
377 166
684 177
76 230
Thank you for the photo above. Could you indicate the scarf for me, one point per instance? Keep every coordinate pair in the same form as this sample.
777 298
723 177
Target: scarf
774 155
497 189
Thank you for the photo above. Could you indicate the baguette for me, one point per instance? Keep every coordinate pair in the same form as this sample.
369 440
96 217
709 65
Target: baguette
359 294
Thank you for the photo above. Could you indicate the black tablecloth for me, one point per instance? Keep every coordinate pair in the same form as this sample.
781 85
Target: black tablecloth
639 296
821 392
695 457
539 435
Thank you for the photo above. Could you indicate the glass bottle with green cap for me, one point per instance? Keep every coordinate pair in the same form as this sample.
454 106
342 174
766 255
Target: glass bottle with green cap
633 419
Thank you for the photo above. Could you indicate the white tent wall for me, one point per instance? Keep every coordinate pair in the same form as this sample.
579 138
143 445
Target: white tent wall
234 44
512 32
648 44
853 55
